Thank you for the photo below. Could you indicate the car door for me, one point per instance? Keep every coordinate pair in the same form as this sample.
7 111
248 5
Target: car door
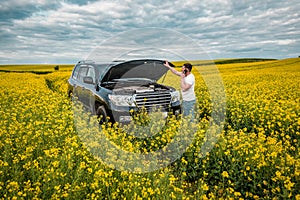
74 81
89 89
80 87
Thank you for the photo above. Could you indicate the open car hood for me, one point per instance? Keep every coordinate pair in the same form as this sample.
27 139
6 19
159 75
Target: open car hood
146 68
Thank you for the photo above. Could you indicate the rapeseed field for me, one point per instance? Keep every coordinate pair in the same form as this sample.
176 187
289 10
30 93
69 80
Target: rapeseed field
42 155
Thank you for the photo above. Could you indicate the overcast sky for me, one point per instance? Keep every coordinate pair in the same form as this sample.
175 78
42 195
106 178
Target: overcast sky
53 31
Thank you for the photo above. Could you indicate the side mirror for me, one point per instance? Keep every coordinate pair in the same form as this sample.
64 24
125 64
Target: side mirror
97 87
88 80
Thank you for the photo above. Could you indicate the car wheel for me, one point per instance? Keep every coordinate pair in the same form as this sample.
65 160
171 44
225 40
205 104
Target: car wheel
70 95
101 114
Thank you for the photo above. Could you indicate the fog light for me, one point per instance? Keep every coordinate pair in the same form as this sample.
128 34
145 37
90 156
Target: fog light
165 114
177 112
125 118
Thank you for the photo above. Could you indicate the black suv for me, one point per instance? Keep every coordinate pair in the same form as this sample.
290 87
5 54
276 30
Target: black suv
119 89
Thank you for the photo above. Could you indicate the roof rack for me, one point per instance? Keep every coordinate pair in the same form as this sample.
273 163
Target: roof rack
121 60
86 62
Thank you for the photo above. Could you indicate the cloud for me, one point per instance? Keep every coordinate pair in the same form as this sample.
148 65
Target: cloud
21 9
66 31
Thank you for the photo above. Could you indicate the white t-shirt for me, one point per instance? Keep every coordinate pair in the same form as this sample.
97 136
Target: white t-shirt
189 94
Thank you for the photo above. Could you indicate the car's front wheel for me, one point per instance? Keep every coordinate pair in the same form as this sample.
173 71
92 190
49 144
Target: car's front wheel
101 114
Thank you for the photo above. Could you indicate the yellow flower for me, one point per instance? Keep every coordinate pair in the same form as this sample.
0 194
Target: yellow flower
288 184
205 187
55 163
225 174
172 195
278 174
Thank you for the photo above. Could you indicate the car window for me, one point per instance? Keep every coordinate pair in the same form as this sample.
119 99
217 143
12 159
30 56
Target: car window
75 73
82 73
101 69
91 73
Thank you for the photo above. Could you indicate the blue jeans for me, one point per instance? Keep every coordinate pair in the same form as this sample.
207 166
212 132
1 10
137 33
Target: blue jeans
189 108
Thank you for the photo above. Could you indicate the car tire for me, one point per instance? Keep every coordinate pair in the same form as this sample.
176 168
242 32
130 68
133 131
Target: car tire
70 95
101 114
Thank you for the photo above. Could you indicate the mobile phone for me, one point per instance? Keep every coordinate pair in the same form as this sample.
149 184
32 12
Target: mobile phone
185 71
171 64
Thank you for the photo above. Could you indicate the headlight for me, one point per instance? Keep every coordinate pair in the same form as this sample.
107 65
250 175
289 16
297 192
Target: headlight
175 96
121 100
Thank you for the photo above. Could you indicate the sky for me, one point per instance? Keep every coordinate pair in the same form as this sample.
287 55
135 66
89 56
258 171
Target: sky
56 31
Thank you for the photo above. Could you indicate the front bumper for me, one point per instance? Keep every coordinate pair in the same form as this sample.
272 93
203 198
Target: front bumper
124 115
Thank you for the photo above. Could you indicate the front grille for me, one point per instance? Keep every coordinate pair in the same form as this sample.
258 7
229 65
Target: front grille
153 100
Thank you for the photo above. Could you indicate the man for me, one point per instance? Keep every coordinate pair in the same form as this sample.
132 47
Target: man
187 84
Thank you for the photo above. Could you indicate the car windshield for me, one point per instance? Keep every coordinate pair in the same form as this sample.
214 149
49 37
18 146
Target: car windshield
101 68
